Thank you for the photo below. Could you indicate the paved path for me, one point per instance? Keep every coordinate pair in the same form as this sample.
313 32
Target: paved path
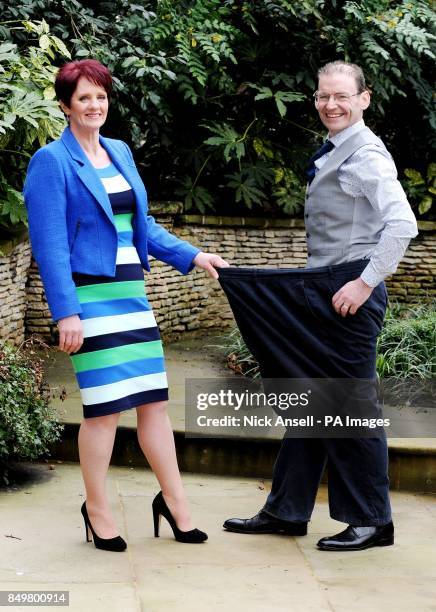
42 546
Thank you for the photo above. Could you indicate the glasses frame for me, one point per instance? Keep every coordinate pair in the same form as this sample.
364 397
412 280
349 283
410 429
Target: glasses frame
316 93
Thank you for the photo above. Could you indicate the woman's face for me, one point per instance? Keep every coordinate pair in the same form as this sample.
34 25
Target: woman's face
88 106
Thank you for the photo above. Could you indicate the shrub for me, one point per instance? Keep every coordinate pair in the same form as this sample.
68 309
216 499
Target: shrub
28 423
406 347
420 188
29 114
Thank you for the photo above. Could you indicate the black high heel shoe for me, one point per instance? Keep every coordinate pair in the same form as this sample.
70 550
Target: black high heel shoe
160 508
116 544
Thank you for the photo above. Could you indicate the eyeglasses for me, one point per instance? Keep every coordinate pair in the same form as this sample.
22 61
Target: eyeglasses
323 98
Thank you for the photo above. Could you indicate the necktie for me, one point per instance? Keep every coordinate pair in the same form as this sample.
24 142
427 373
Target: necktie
325 148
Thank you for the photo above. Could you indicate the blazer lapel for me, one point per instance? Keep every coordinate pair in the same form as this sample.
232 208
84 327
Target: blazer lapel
86 172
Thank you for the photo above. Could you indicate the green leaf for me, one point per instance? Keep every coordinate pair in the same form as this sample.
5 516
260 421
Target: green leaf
265 92
154 97
431 171
281 107
44 42
49 93
60 46
414 176
425 205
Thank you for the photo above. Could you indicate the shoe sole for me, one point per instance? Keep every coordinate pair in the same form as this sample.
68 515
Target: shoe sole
384 542
267 532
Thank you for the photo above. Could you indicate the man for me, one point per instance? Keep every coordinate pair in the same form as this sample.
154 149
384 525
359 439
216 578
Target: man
356 213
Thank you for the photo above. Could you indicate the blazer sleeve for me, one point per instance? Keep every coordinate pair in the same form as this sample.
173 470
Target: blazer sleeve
46 203
163 245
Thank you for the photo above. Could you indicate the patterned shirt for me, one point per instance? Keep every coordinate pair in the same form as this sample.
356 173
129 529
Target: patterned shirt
371 173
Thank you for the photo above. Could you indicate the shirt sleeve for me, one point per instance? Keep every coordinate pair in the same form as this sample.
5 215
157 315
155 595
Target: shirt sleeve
371 173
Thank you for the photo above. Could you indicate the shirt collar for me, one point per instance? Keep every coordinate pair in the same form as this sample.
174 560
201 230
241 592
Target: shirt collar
341 137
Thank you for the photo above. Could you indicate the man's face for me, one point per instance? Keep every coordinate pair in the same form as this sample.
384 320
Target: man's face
345 108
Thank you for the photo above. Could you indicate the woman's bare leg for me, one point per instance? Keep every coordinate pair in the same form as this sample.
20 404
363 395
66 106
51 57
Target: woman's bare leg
156 440
96 442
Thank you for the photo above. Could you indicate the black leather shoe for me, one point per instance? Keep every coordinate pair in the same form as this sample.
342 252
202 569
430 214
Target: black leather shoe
265 523
359 538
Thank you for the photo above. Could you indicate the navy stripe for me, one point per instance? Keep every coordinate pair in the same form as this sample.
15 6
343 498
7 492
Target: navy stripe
106 341
122 202
124 272
125 403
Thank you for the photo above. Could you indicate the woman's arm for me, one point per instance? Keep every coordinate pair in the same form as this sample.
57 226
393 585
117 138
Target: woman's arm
46 203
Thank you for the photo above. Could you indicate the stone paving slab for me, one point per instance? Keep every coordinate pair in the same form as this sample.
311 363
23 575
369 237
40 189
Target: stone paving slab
229 572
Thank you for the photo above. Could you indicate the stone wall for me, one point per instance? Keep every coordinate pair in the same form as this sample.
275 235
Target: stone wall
195 302
14 264
415 279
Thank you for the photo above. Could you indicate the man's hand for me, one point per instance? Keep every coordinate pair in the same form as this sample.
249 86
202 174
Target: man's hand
70 334
209 261
351 296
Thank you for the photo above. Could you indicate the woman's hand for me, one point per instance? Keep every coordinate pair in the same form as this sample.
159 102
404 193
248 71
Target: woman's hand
209 261
70 334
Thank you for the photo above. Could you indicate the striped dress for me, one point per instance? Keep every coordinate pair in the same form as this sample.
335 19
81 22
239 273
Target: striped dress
120 364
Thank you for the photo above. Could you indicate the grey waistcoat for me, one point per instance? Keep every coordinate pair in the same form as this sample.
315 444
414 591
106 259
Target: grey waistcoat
340 228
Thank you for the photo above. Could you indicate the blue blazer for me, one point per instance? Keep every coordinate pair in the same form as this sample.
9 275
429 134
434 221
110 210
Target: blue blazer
71 223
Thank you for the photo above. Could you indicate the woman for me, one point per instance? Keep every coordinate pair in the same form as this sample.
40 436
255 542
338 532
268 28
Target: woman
91 237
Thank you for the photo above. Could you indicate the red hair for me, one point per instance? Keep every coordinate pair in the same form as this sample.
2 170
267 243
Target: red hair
69 74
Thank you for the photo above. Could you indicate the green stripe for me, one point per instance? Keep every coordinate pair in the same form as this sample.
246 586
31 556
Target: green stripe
123 223
110 291
115 356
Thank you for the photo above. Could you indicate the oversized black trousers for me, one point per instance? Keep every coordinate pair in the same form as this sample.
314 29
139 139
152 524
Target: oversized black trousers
288 322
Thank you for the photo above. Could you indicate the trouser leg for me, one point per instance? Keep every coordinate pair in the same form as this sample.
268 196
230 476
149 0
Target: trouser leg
358 483
297 472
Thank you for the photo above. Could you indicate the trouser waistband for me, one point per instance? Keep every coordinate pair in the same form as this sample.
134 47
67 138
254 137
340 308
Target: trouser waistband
336 271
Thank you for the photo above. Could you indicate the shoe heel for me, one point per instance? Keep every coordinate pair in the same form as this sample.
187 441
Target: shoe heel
87 534
296 530
156 521
386 541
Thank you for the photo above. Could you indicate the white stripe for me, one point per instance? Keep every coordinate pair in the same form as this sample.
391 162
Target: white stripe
115 391
118 323
127 255
115 184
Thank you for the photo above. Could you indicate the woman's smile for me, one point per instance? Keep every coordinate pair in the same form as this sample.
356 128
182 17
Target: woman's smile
88 106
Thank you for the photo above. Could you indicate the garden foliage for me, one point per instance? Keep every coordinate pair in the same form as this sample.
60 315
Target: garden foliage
215 96
29 114
407 344
28 424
